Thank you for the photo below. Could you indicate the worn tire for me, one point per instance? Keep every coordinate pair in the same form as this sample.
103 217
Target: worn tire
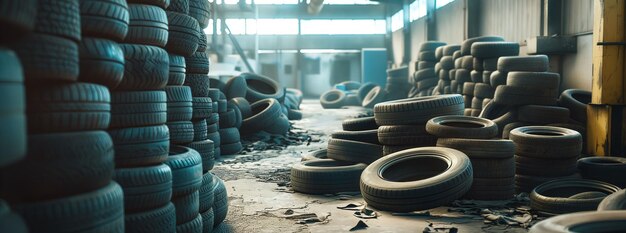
607 169
546 142
368 136
206 149
353 151
101 62
58 165
104 19
615 201
140 146
68 108
399 135
236 87
146 67
480 148
515 95
265 113
484 50
576 101
148 25
220 205
543 198
145 188
543 114
199 10
261 87
99 210
326 176
182 33
58 18
158 220
186 165
462 127
583 220
375 96
179 103
417 110
181 132
400 191
466 46
18 17
47 58
177 70
138 108
532 63
199 84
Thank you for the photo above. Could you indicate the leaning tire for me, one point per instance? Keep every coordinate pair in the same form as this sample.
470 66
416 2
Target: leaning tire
450 179
326 176
576 101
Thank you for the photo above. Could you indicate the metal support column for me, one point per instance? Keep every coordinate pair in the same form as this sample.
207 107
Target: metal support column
472 13
406 31
388 36
431 20
606 124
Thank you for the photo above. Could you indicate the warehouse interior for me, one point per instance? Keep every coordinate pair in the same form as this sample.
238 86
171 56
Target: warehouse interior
200 116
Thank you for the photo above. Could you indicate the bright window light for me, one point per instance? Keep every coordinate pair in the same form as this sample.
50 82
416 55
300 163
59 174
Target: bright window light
397 20
272 26
260 2
417 9
237 26
350 2
441 3
338 27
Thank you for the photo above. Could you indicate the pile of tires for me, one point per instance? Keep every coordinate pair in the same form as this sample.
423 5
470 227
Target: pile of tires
492 159
58 175
402 123
249 103
357 143
544 153
444 69
338 168
425 77
471 73
348 93
486 56
397 86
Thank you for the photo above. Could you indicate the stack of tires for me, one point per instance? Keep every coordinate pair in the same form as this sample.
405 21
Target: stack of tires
293 99
468 71
66 173
492 159
338 168
397 86
357 143
456 84
544 153
425 77
186 166
230 120
213 121
445 65
486 56
403 122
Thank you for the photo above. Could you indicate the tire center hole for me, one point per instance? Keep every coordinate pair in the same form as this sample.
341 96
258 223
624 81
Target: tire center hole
260 86
545 133
329 164
567 192
259 108
585 99
459 124
415 168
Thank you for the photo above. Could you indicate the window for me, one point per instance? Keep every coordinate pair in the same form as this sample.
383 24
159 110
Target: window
397 20
418 9
441 3
350 2
337 27
272 27
260 2
263 26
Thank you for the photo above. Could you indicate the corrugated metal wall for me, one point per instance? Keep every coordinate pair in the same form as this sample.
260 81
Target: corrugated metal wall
418 36
515 20
450 20
577 16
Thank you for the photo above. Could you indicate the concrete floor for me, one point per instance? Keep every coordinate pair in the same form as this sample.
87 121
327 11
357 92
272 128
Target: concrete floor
261 202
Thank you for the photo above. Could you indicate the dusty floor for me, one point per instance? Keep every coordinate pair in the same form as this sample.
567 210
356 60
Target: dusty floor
261 201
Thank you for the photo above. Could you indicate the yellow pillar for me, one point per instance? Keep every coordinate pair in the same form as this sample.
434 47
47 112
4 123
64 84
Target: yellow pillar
606 129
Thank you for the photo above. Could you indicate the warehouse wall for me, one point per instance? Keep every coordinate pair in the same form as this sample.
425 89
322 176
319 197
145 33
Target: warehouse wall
516 21
450 22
